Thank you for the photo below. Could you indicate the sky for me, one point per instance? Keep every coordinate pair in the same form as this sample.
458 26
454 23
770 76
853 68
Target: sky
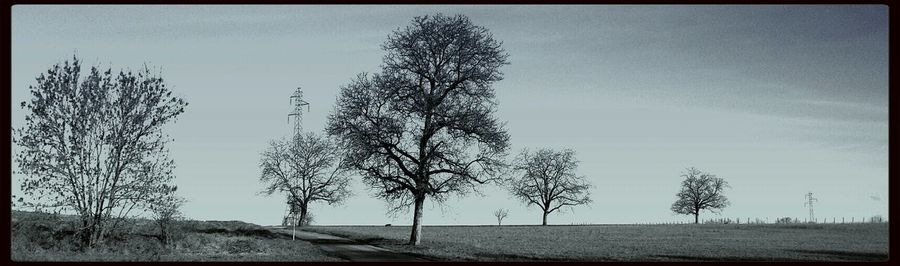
777 100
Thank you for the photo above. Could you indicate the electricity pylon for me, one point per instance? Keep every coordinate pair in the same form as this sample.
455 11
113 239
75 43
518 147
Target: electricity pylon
809 203
297 113
297 101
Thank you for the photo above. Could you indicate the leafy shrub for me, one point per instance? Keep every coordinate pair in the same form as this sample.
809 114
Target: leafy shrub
166 213
32 231
308 221
786 220
719 221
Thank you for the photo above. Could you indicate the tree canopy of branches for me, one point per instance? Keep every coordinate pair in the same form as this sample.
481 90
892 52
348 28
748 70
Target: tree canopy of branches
500 214
308 168
547 178
425 126
700 191
95 144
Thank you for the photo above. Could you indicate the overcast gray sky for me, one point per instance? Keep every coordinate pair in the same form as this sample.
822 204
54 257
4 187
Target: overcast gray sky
778 100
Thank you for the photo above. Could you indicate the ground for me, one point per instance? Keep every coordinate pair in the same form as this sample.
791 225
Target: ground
349 249
43 237
707 242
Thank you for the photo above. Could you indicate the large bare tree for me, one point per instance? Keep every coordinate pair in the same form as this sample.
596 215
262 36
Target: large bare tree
308 168
700 191
425 126
95 144
546 178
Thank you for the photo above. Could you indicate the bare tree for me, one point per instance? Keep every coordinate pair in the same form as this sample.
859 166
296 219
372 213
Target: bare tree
548 180
700 191
95 144
425 126
500 214
308 168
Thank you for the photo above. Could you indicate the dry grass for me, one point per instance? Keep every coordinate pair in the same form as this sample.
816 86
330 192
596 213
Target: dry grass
43 237
850 242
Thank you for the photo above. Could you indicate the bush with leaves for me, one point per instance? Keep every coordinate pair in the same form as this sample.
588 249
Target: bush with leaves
166 214
785 220
94 144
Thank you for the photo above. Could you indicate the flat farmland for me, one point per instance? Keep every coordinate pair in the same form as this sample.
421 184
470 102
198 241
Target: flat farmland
721 242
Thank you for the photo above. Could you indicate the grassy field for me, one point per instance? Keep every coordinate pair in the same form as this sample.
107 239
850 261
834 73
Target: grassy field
44 237
797 242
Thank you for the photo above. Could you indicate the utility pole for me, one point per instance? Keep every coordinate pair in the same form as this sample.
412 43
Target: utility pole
809 203
297 101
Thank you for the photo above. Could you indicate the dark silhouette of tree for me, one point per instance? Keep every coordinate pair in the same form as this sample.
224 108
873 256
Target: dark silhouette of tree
425 126
500 214
308 168
547 178
94 144
700 191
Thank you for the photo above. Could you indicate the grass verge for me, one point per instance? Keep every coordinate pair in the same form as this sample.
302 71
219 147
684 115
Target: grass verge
48 237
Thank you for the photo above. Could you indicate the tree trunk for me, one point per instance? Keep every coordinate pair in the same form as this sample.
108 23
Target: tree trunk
86 234
303 221
545 218
163 232
93 233
416 235
696 217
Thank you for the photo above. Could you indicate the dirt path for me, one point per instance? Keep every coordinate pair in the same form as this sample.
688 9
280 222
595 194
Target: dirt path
348 249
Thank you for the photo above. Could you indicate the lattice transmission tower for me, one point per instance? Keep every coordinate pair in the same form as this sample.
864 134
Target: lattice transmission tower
298 103
296 100
809 203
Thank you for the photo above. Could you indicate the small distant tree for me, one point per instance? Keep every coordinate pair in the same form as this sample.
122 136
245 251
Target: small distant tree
500 214
876 219
547 178
700 191
166 213
308 168
94 143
